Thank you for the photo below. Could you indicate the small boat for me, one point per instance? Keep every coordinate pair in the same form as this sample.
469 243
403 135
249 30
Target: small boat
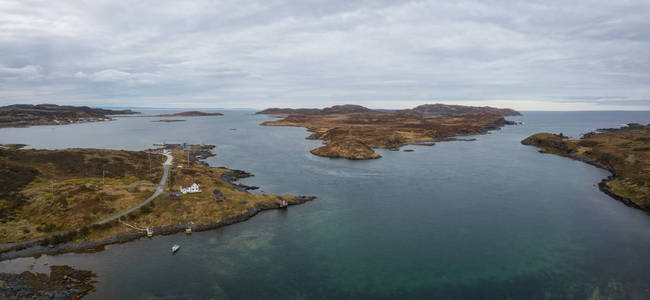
175 248
149 232
188 230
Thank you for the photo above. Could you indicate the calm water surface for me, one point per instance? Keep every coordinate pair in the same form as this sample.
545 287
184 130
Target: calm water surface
489 219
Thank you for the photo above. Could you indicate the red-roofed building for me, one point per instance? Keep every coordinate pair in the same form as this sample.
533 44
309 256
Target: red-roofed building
190 188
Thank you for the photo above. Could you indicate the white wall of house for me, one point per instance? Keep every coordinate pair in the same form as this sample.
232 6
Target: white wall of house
194 188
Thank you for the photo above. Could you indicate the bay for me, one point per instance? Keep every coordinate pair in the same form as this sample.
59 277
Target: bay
488 219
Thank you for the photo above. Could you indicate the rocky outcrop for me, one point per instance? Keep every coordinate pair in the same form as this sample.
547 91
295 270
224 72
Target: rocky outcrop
350 149
63 282
233 175
550 142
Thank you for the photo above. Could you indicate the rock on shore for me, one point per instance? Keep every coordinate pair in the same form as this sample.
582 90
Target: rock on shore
63 282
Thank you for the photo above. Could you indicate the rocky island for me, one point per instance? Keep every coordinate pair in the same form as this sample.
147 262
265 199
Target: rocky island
169 120
20 115
55 201
446 110
351 131
625 152
192 113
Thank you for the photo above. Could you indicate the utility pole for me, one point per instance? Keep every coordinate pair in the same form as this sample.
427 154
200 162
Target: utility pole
103 175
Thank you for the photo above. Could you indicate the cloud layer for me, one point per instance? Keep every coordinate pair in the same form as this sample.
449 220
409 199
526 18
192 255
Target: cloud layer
544 55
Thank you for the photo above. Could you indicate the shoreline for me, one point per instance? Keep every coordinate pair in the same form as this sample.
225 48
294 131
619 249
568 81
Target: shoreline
50 246
354 132
602 185
36 249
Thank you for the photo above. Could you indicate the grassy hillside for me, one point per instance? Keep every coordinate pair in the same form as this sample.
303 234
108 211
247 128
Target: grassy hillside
45 191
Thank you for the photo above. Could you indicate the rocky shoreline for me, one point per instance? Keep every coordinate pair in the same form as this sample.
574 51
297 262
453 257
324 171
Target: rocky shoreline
353 132
60 244
92 246
563 149
197 152
63 282
234 175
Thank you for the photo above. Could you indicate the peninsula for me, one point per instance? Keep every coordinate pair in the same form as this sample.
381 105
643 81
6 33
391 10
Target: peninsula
625 152
20 115
351 131
54 201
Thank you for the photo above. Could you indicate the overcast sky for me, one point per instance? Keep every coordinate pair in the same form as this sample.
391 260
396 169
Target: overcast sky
559 55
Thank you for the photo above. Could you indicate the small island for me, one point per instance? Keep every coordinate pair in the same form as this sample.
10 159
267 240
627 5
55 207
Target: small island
169 120
21 115
192 113
625 152
352 131
54 201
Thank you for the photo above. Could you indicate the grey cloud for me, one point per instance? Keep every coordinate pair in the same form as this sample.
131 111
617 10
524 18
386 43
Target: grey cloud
29 72
313 53
117 76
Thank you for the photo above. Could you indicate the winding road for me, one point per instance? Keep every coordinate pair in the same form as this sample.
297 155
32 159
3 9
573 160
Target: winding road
159 190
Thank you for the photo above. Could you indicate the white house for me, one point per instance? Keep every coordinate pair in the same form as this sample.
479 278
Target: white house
190 188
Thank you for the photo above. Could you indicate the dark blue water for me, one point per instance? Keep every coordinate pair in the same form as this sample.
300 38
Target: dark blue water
489 219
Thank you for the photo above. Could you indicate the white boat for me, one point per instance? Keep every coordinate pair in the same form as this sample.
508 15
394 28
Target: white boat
175 248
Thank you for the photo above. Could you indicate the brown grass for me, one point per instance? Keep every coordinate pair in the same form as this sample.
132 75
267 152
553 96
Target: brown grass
58 190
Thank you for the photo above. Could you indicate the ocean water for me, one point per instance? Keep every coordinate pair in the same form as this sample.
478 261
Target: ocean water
488 219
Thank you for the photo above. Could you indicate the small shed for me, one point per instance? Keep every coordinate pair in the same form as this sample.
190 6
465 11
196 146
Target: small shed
282 202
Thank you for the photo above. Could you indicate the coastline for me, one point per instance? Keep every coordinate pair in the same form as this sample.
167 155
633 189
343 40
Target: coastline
62 242
35 249
353 132
602 185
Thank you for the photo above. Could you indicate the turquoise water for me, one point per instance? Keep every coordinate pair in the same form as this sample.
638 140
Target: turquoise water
489 219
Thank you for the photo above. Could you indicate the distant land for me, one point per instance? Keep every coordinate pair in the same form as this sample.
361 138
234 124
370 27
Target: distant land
19 115
337 109
625 152
445 110
351 131
192 113
426 110
169 120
